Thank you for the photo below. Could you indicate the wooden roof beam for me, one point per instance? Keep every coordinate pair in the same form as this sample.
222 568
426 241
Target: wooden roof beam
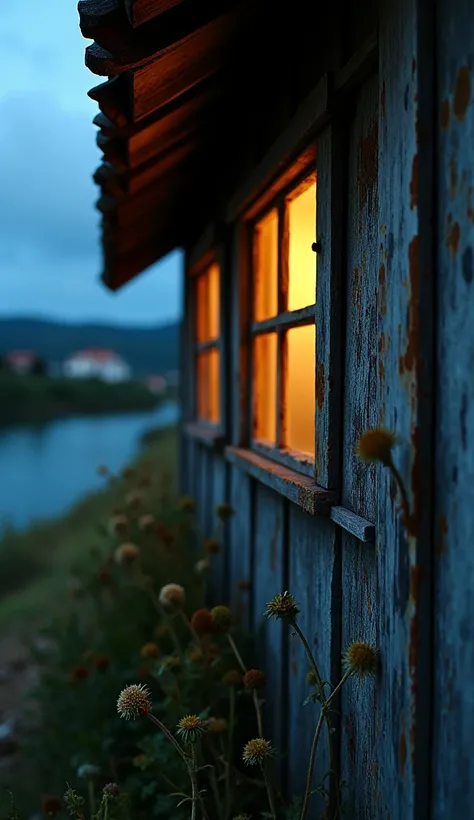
141 11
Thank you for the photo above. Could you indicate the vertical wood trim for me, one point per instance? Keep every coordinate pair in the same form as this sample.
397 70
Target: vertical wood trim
184 384
282 303
223 258
330 160
247 295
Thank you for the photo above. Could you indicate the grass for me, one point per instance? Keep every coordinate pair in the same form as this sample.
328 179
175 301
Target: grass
39 398
35 565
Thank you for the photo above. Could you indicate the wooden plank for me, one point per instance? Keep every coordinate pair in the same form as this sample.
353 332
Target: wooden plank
296 487
292 318
205 435
118 270
220 578
114 99
354 524
188 62
291 149
240 546
329 210
268 580
313 580
141 11
453 714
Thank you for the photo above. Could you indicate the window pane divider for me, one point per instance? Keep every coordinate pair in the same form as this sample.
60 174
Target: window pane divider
211 344
291 318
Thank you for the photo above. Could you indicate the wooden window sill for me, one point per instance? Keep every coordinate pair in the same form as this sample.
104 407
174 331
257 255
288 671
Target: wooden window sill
208 436
302 490
298 488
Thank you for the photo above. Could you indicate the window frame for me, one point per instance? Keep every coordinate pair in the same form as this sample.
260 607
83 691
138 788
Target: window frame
283 321
209 430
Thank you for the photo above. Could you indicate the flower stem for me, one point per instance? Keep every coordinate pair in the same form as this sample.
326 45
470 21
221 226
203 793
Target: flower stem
312 758
192 770
90 791
270 792
336 688
236 653
258 712
403 492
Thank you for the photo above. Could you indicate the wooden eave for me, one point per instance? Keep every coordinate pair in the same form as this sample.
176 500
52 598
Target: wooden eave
170 76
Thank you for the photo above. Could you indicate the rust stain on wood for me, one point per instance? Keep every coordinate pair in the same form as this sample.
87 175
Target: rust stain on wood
452 240
453 176
462 93
320 386
382 291
414 182
409 361
444 114
368 165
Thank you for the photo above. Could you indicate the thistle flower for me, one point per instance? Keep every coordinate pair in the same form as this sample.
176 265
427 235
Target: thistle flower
126 553
118 525
52 805
232 678
254 679
361 659
87 770
283 607
172 595
256 751
377 445
190 728
196 656
146 523
221 618
73 802
202 622
110 791
224 511
202 566
149 650
187 503
216 725
212 546
134 499
79 673
134 701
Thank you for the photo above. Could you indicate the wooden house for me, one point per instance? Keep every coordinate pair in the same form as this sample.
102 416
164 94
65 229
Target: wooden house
316 163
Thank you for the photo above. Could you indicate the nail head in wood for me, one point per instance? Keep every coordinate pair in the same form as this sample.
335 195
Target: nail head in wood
316 247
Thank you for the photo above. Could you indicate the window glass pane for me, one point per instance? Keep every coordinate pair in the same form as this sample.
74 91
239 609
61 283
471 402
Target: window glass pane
213 300
265 366
300 389
265 266
202 385
201 308
214 409
301 259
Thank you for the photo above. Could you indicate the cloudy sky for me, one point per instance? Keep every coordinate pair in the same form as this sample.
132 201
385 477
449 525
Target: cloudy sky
49 240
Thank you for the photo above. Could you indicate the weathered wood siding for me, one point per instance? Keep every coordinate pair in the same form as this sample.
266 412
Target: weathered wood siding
402 270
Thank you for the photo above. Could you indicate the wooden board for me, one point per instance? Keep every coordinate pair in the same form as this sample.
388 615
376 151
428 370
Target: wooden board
240 545
453 712
140 11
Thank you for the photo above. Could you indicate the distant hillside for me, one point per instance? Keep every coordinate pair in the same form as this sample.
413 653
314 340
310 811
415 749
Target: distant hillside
147 350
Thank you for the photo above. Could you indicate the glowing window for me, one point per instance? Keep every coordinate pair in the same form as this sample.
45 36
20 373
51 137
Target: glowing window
207 292
284 332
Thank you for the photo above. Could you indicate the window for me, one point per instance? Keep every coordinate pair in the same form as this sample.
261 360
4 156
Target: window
207 301
283 324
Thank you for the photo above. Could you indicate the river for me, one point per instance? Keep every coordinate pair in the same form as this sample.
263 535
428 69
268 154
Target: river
46 469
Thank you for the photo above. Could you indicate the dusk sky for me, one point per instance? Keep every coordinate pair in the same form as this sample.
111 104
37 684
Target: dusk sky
50 257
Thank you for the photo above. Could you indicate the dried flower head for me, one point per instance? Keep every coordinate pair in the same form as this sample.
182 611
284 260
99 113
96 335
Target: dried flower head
361 659
134 701
224 511
244 585
190 728
126 553
311 678
150 650
283 607
202 566
196 656
254 679
212 546
119 525
79 673
187 503
73 801
232 678
111 791
134 499
88 770
216 725
146 523
202 622
102 662
172 595
377 445
221 618
140 761
52 805
256 751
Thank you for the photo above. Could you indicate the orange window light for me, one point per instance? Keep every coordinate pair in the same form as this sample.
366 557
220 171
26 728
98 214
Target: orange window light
201 309
214 381
300 388
265 385
213 301
265 266
301 258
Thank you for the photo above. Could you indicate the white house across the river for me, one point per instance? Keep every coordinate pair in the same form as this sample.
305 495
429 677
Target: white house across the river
97 363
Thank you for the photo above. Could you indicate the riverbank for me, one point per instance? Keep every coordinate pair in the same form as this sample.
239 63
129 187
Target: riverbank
36 564
39 399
